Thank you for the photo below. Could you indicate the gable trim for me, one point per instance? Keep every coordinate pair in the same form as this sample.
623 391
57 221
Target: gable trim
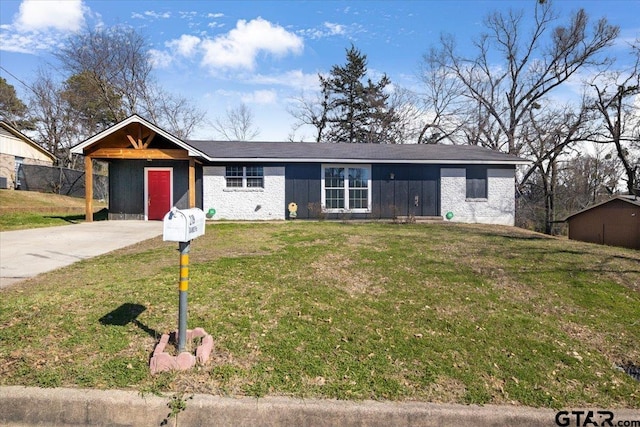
80 148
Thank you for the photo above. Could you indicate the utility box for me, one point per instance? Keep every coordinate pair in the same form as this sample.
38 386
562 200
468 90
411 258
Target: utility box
183 225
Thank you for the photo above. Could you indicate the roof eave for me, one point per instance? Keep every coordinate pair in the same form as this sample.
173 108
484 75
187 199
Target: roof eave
26 139
624 199
365 161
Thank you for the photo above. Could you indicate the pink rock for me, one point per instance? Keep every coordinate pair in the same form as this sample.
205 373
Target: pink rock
162 344
204 350
185 361
197 333
162 362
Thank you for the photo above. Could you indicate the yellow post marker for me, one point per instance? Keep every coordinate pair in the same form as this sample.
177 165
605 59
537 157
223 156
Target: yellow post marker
184 272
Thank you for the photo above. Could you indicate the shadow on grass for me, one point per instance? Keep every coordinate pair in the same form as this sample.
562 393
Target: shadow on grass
128 313
101 215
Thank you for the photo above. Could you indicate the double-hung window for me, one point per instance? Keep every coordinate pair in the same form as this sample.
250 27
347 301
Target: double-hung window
346 188
244 176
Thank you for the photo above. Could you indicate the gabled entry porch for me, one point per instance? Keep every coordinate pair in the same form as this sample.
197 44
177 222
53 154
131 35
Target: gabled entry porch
150 170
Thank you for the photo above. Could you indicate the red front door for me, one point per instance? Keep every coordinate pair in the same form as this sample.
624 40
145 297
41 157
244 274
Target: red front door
158 193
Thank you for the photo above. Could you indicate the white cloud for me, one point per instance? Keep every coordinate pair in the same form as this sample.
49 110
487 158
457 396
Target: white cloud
260 97
215 15
186 45
330 29
160 59
26 43
38 15
157 15
240 46
43 25
187 15
334 29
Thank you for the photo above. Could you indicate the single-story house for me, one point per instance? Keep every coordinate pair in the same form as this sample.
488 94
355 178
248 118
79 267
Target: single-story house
615 222
151 170
17 149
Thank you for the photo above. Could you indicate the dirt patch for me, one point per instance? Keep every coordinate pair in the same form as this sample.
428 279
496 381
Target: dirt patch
445 390
339 271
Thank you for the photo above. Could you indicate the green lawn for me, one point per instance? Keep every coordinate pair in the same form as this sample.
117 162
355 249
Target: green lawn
30 209
429 312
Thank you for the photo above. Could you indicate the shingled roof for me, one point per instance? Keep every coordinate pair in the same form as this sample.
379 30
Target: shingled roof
307 152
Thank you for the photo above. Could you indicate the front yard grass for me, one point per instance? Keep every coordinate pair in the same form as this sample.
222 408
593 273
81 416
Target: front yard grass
30 209
428 312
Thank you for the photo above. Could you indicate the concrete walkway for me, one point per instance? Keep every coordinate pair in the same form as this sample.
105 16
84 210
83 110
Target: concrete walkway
27 253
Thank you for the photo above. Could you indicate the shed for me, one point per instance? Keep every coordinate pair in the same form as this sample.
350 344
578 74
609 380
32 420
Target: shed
615 222
17 149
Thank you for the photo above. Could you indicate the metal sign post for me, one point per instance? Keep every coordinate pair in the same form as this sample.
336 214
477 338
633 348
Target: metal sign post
183 289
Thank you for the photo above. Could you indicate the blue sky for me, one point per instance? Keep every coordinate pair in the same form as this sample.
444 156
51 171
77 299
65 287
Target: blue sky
263 53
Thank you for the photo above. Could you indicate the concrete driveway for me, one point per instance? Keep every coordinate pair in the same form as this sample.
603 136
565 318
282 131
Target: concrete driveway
27 253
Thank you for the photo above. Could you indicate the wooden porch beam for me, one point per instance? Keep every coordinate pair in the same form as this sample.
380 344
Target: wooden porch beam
148 139
132 153
192 183
88 188
133 142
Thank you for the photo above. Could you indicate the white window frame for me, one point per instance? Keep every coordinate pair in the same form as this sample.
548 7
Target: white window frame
244 178
346 208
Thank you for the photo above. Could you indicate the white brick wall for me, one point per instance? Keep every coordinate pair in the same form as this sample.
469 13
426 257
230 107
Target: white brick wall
244 203
498 208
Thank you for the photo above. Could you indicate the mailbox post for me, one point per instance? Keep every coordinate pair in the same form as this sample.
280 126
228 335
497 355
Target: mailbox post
183 226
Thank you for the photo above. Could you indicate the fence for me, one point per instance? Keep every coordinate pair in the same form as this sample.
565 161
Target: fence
59 180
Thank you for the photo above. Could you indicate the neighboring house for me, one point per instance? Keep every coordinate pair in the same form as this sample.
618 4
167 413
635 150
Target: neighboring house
17 149
151 170
615 222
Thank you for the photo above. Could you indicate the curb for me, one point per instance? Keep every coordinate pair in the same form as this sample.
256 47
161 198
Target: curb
29 406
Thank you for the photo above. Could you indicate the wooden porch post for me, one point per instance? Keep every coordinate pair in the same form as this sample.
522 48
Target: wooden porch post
88 188
192 182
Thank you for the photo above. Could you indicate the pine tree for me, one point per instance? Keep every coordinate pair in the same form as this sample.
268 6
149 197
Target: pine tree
12 109
355 111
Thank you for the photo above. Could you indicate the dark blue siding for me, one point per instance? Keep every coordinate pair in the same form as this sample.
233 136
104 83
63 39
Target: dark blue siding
126 185
414 190
303 187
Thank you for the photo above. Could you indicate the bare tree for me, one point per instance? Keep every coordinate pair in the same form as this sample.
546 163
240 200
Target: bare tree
615 94
500 97
311 111
588 178
116 59
55 126
116 63
409 116
548 135
442 101
237 124
173 112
